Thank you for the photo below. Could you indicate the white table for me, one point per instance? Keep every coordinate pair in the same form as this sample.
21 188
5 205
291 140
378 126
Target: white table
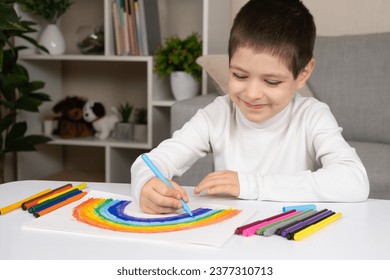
363 233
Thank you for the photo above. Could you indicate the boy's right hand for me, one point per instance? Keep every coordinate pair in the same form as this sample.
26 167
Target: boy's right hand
157 198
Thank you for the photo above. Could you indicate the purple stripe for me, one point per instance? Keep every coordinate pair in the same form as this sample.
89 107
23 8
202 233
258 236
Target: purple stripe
304 223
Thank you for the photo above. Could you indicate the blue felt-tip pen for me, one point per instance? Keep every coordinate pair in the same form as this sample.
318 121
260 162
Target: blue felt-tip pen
158 174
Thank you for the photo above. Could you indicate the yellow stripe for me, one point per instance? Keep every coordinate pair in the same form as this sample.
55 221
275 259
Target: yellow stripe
312 229
19 203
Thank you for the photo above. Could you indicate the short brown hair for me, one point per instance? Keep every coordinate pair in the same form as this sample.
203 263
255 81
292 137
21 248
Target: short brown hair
284 28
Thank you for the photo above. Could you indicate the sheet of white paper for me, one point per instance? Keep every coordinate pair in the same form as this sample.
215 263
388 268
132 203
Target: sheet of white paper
212 235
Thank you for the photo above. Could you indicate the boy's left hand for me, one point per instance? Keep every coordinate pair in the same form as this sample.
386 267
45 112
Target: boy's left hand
220 182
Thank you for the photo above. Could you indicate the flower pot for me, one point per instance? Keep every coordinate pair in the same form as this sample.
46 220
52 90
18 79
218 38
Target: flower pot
52 39
183 85
123 131
140 132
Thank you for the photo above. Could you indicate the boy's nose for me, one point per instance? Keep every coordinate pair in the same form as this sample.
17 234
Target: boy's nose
254 91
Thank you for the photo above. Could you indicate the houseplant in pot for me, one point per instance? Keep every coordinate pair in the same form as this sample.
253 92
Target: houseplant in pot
17 92
124 128
140 127
49 10
177 58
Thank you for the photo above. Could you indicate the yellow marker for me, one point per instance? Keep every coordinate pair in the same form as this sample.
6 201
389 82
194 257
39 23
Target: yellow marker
80 187
19 203
312 229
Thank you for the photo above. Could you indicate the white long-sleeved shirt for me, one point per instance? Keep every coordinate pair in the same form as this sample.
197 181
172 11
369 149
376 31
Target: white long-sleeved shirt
297 155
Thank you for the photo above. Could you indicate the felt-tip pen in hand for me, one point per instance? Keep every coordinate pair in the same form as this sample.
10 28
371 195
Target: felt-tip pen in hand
162 178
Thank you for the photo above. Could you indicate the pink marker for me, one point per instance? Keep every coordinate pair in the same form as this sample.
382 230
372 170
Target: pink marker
252 230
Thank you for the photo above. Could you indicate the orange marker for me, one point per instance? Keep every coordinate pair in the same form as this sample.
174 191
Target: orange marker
59 205
63 191
34 201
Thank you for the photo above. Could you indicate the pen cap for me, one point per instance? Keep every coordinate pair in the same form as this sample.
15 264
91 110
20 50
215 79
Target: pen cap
299 207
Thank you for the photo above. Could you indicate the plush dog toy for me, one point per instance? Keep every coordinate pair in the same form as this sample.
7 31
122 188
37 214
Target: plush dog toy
71 123
94 112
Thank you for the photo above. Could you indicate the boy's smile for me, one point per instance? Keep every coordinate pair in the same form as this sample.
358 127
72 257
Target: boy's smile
261 85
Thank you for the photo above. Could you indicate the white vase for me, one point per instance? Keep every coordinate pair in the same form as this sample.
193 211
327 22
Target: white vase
52 39
183 85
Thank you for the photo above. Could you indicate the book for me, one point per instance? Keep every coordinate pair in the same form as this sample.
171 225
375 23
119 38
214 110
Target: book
149 14
142 27
125 32
138 27
117 33
133 29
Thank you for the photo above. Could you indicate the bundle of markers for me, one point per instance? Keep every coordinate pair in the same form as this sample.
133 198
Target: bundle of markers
48 200
295 223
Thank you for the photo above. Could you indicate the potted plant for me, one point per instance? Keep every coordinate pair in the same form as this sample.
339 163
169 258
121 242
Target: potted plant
50 10
140 127
17 92
177 58
124 128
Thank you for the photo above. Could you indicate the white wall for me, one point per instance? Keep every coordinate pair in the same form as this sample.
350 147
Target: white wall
180 17
339 17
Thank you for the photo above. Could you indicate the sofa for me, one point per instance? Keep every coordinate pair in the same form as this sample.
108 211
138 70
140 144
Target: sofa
352 75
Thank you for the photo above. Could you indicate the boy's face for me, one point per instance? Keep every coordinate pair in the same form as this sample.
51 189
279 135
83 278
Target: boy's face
261 85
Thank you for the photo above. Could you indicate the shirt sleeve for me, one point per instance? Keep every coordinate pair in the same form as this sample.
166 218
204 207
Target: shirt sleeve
176 155
340 178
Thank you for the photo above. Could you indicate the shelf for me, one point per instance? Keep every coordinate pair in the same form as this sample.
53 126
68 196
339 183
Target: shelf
163 103
109 79
80 57
93 142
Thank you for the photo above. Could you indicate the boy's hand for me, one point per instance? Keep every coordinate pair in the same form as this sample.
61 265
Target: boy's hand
157 198
220 182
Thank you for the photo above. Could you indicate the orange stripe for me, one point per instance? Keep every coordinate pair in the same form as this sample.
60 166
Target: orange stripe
33 202
61 204
63 191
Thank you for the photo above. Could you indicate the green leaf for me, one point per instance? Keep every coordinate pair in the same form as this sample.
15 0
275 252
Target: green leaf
26 143
50 10
9 18
35 85
16 79
28 104
17 130
40 96
35 43
179 54
1 59
6 122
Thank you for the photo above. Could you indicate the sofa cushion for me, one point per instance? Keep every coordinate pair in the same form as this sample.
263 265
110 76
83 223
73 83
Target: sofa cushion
352 76
375 158
217 67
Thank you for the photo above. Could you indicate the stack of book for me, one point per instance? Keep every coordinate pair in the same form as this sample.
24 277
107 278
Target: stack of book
136 27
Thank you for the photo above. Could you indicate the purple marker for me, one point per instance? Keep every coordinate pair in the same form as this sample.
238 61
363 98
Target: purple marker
304 223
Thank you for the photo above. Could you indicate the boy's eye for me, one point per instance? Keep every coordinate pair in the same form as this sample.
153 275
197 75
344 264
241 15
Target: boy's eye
239 76
273 82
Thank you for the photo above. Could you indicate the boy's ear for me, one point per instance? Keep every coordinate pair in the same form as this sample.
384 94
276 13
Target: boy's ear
305 74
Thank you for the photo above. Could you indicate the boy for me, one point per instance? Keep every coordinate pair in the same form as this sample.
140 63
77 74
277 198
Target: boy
268 142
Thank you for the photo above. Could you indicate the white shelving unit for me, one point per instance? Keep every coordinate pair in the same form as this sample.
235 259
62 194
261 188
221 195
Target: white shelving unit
111 80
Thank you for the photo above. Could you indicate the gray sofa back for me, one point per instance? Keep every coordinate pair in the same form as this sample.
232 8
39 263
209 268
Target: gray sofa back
352 75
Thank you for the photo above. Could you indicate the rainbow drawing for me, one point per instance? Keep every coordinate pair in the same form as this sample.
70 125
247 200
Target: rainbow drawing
108 213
